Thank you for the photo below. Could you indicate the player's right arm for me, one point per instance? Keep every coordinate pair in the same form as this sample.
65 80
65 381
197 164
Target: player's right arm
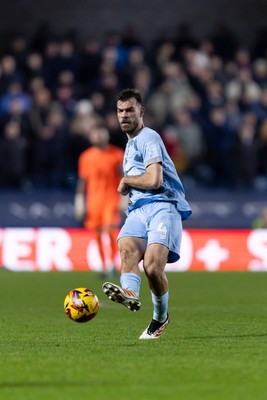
151 179
79 200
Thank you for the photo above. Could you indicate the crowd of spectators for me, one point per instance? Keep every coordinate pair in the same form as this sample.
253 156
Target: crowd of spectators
206 97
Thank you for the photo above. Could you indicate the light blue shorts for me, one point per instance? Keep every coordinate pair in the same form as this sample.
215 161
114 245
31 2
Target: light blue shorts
157 222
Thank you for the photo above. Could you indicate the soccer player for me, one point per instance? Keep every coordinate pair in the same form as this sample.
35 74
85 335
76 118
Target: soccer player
97 199
153 228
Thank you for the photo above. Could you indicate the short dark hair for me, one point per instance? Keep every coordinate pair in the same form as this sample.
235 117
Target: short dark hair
127 94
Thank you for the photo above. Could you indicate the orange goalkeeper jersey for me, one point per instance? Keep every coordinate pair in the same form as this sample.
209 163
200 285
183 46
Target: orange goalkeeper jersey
101 171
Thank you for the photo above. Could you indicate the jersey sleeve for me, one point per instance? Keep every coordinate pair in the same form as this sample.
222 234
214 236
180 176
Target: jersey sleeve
151 150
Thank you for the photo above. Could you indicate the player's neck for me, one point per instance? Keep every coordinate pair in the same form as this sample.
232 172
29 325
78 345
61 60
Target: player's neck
135 133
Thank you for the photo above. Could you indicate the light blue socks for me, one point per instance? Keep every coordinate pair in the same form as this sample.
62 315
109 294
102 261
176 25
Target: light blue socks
160 304
130 281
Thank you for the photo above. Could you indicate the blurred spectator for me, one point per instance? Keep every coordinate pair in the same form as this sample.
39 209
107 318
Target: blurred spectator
41 106
233 114
143 81
245 155
49 152
136 60
220 141
109 85
174 148
83 120
172 94
70 59
214 96
198 69
259 107
191 140
217 68
196 109
52 63
114 50
67 92
242 58
13 93
206 47
243 88
66 78
260 72
164 52
99 103
12 156
35 84
65 97
34 66
9 72
16 112
18 49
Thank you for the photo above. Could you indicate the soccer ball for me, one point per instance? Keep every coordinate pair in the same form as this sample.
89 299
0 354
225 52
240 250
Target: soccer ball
81 305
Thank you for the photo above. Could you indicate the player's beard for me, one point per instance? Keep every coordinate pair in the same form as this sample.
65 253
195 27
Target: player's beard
130 128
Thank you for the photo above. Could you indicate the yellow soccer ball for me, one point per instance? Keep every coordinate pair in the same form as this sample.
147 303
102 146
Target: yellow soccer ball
81 305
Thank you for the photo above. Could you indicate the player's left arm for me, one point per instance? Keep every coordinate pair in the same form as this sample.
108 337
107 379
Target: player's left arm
151 179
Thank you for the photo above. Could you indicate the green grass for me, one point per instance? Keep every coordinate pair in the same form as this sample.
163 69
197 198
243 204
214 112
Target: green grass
214 349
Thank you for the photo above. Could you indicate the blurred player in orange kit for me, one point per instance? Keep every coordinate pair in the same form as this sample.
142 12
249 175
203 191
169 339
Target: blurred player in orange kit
97 200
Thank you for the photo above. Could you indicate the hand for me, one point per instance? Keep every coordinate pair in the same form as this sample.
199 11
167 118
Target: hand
123 188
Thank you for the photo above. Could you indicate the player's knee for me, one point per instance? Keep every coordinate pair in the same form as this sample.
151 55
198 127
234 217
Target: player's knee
152 269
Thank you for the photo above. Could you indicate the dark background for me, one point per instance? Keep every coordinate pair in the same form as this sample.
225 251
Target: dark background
150 17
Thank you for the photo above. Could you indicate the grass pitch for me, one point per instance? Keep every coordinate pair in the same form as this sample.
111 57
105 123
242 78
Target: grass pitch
215 347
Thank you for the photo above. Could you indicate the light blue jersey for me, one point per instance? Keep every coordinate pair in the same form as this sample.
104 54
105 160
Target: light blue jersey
145 149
